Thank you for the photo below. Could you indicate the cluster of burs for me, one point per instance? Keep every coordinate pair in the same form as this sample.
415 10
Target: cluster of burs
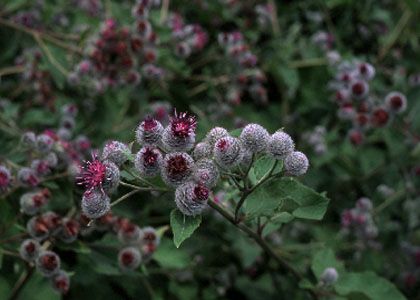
191 169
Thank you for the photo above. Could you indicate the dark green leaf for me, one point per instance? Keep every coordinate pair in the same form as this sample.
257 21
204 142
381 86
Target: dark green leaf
368 284
183 226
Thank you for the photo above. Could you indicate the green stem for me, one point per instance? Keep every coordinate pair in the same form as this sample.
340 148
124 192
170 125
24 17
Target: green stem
284 265
123 197
246 192
396 196
20 284
141 188
396 33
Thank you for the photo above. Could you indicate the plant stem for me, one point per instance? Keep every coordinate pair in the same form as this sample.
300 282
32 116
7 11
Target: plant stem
388 202
12 70
44 35
274 18
402 23
247 192
164 11
141 188
307 63
124 197
23 279
49 55
285 266
148 287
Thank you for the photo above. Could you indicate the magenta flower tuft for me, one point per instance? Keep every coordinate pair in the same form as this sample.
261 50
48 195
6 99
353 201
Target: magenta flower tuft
93 174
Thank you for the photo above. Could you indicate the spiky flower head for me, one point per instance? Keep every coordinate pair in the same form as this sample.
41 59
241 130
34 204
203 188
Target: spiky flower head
366 71
32 202
356 136
97 174
380 117
29 140
129 234
214 134
82 143
150 236
129 258
183 124
280 144
228 152
48 263
41 167
70 109
27 177
51 159
149 132
29 249
148 161
183 49
44 143
329 276
52 221
206 172
396 102
177 168
254 138
180 133
359 89
68 122
149 242
37 228
5 178
116 152
203 150
95 203
191 198
69 230
61 282
296 164
364 204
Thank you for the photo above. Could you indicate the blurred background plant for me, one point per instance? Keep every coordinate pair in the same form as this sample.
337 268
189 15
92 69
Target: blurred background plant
77 74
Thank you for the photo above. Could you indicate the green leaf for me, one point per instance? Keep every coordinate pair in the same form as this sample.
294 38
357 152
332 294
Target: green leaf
236 132
168 257
183 226
126 175
282 217
263 165
51 185
312 205
103 264
262 202
36 117
55 61
368 284
371 159
286 194
37 288
323 259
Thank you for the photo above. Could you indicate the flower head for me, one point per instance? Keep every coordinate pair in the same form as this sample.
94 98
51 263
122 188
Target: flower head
148 161
129 258
177 168
5 178
93 174
396 102
191 198
149 131
183 125
48 263
61 282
